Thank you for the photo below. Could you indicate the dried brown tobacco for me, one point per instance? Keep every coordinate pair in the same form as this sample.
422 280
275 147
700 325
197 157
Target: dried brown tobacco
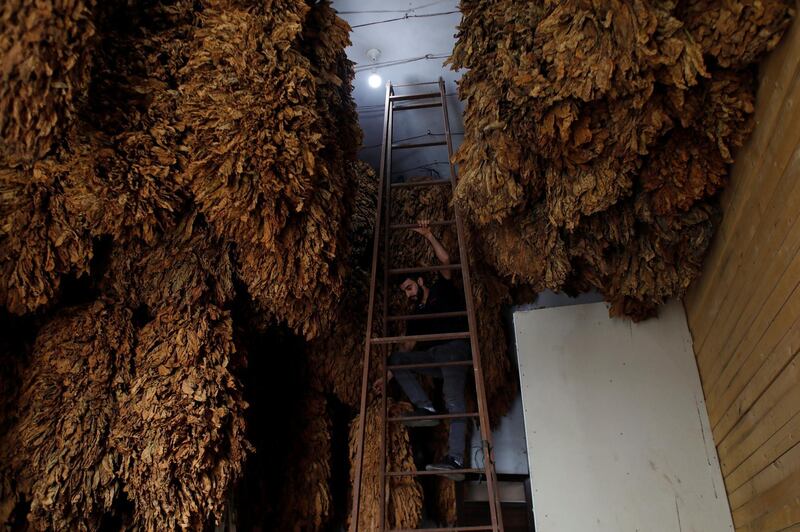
180 432
59 449
588 120
179 159
46 49
267 152
306 502
404 505
38 241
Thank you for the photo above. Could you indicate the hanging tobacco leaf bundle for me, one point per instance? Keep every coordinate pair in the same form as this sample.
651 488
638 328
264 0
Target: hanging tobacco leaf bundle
306 502
404 493
582 114
361 228
180 432
47 49
39 242
735 33
187 267
272 126
59 449
184 163
335 360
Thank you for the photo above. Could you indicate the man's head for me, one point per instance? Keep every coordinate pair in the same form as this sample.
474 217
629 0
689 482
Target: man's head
413 289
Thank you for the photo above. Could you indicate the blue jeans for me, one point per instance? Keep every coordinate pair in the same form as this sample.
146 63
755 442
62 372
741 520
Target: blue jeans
452 387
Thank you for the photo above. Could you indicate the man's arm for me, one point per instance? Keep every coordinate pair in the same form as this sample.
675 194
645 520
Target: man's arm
441 253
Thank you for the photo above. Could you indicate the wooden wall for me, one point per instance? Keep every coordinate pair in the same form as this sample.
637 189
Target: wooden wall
744 313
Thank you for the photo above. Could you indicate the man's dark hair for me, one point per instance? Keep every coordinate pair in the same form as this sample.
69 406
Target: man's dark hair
402 280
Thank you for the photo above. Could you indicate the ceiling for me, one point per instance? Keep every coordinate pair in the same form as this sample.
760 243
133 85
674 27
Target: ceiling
422 30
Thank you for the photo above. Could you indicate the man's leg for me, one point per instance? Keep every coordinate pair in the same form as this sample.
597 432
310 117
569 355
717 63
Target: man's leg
453 389
454 399
406 378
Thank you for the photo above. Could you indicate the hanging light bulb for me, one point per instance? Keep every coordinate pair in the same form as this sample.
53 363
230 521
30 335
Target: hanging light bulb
374 79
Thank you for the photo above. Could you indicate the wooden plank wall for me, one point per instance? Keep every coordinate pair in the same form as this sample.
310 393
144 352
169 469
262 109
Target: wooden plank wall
744 312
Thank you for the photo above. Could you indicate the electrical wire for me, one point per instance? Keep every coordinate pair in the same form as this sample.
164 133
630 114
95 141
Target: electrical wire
404 17
371 11
478 448
428 134
426 166
395 62
401 140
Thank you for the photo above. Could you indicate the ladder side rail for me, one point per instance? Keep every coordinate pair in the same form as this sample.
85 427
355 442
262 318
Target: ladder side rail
385 351
496 516
359 462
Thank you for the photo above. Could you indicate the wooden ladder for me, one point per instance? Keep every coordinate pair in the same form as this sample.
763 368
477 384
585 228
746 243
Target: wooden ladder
384 207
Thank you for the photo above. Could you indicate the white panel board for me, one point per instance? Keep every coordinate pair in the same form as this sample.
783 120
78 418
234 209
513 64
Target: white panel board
617 430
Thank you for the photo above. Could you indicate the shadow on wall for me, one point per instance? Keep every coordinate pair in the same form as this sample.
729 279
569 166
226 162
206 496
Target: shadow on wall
550 299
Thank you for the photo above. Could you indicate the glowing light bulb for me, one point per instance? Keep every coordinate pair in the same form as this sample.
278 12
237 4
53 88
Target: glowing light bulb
375 80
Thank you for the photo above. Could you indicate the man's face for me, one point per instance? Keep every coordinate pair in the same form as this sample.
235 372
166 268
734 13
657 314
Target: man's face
411 289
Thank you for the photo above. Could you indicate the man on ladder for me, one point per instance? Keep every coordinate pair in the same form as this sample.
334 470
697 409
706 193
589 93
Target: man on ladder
430 301
440 297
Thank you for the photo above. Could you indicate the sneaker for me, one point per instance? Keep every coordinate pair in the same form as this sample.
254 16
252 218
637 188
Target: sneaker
448 464
418 411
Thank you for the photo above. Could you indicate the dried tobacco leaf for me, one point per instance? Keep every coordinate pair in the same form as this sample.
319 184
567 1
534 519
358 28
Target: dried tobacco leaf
180 432
306 502
39 242
267 152
736 33
46 49
205 146
187 267
589 120
60 448
404 494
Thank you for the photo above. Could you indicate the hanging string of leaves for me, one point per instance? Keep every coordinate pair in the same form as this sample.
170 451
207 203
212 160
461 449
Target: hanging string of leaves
190 164
47 49
404 494
598 133
180 431
59 450
306 502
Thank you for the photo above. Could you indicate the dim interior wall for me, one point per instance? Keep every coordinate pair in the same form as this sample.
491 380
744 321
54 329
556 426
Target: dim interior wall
508 440
618 438
398 41
744 311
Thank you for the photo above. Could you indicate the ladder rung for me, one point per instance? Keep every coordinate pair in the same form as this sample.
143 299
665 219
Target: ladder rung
422 269
417 84
414 226
430 473
426 183
446 529
417 106
419 145
434 416
432 365
420 338
431 316
420 96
